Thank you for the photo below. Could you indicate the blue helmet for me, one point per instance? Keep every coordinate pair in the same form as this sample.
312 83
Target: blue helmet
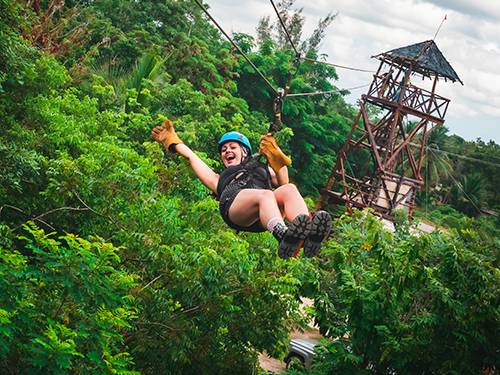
234 136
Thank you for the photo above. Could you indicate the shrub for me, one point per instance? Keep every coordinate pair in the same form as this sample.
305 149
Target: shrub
408 304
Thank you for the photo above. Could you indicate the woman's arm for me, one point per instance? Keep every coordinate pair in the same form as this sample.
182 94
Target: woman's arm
166 135
204 173
280 178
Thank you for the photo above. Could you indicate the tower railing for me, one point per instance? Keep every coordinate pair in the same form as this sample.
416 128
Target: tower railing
410 96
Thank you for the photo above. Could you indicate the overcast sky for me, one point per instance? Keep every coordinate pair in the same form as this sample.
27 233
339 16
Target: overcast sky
469 39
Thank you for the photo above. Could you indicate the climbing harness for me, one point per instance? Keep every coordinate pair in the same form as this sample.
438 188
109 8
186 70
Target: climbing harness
250 174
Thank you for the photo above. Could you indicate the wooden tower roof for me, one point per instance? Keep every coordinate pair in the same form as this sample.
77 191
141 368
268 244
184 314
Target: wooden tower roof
425 57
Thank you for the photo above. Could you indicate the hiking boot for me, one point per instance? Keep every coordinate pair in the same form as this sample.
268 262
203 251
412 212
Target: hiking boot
320 229
298 230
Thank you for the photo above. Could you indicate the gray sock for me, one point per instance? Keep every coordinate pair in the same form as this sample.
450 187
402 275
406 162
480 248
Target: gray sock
276 226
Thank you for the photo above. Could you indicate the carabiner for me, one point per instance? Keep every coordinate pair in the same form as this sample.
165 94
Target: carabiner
278 102
292 65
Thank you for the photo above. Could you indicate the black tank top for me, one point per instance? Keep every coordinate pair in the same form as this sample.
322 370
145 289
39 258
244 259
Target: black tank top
251 175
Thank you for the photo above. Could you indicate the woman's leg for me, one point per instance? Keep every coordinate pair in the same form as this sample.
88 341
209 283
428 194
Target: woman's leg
251 205
290 201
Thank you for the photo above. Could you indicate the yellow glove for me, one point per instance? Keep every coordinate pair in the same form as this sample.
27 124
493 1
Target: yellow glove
276 158
165 134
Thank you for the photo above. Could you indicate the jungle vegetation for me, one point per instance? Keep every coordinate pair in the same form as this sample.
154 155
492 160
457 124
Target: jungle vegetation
114 259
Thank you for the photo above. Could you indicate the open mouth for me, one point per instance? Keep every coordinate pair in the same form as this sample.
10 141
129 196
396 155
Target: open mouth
230 157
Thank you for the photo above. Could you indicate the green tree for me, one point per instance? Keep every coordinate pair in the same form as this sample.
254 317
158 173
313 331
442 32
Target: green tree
64 305
206 300
293 21
436 166
470 194
147 68
13 67
397 302
488 163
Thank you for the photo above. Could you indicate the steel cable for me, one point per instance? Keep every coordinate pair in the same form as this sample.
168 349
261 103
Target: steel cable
454 180
339 66
457 155
328 92
234 44
297 53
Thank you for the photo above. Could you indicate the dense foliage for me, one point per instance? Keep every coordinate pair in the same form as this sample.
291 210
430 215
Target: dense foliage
114 258
407 304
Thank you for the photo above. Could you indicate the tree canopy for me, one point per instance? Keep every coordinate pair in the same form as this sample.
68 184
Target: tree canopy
114 258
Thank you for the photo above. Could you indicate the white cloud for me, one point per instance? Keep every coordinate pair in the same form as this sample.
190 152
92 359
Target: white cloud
490 110
469 39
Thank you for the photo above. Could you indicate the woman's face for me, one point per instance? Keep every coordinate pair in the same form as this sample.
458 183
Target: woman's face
232 153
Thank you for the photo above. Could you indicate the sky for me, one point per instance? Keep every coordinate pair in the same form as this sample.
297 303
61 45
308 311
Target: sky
469 39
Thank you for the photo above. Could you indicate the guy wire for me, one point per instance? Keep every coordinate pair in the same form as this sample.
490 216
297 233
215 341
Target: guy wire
297 53
456 182
338 66
328 92
235 46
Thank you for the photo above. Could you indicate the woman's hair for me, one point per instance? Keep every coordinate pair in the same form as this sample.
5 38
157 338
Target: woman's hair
245 149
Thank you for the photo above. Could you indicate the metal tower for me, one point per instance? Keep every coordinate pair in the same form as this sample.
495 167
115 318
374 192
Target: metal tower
376 167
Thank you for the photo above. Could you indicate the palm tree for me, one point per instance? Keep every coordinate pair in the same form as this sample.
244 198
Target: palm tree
148 67
470 194
436 165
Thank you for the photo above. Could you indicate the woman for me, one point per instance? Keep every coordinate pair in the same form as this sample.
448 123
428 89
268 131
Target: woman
244 188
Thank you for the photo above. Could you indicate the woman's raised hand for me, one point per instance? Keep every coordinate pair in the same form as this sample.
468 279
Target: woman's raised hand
166 135
276 158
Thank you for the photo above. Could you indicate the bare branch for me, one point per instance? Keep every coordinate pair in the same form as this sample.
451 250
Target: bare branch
199 307
59 209
151 197
156 191
38 218
60 307
158 324
15 208
47 224
94 211
152 281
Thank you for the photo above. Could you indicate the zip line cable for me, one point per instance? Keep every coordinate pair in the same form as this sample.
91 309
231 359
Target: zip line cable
426 185
458 155
455 181
339 66
297 53
329 92
235 46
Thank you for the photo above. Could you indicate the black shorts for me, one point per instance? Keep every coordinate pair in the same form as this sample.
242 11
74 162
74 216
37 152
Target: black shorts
226 200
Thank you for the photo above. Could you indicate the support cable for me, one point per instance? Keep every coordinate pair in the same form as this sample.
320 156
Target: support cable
339 66
456 183
427 184
234 44
298 57
457 155
329 92
297 53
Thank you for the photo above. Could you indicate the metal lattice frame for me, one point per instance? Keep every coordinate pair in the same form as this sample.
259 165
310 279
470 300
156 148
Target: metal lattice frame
385 143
